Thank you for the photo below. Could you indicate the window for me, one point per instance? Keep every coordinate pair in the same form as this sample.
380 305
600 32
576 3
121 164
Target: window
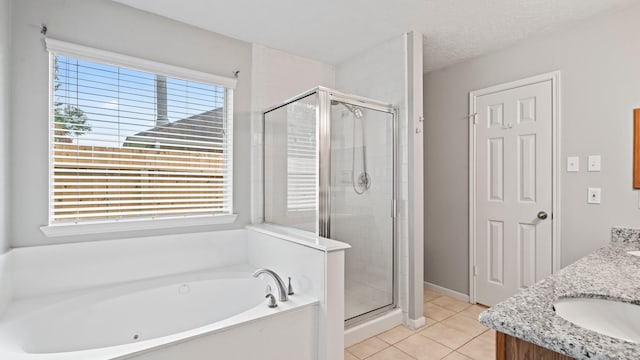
131 144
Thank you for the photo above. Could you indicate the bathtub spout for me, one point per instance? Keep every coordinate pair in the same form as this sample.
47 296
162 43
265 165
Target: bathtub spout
282 289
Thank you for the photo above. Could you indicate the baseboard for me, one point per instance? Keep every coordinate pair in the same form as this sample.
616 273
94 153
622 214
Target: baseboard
445 291
372 327
414 324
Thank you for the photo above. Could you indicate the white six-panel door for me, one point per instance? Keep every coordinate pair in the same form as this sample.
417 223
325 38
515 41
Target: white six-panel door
513 193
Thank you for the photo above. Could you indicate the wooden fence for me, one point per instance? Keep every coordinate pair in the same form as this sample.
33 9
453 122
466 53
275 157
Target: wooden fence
94 183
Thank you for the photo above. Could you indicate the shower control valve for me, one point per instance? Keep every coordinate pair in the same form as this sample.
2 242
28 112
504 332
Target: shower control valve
271 300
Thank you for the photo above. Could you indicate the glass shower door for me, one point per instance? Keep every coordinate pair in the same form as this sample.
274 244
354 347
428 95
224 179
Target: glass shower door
361 203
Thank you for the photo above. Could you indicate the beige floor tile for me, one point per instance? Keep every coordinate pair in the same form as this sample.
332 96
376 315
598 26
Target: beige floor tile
457 356
349 356
430 295
436 312
481 348
396 334
423 348
465 324
428 322
489 335
473 311
448 336
450 303
368 347
390 353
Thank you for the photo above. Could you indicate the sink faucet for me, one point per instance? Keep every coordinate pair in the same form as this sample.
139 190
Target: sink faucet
282 289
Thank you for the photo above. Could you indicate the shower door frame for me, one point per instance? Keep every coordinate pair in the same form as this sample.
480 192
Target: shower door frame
323 148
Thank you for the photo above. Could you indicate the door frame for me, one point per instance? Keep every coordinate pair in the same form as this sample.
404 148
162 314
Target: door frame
556 162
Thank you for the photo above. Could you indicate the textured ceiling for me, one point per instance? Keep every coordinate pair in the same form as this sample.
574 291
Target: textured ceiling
335 30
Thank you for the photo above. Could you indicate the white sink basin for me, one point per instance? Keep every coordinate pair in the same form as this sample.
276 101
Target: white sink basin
613 318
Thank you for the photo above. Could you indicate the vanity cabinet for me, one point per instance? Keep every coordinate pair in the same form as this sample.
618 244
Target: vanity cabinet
512 348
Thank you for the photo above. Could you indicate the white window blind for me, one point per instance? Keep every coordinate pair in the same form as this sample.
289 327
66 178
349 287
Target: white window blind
302 166
130 144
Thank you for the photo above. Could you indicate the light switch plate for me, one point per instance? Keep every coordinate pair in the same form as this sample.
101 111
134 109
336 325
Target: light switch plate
594 195
573 163
594 163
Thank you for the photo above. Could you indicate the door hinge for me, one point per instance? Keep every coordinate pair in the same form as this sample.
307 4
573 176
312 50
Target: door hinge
473 117
475 270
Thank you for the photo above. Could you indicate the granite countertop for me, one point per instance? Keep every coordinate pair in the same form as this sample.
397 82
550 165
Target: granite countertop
608 273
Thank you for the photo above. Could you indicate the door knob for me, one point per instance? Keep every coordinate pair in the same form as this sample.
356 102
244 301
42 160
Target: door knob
542 215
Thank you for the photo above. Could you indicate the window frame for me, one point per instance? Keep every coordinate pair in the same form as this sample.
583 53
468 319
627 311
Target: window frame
53 229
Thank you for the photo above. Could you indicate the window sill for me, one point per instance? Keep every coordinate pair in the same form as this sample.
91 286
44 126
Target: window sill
134 225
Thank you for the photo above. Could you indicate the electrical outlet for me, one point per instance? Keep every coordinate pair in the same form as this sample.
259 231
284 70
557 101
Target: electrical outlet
594 195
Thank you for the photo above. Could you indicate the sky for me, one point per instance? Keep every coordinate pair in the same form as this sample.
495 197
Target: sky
120 102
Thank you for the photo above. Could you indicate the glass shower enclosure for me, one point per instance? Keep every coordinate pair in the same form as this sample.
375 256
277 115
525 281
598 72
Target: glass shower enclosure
330 168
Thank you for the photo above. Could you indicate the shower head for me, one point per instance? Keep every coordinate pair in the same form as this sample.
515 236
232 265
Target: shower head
363 181
355 110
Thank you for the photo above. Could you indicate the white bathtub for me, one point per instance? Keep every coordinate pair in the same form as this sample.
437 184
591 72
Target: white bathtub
216 314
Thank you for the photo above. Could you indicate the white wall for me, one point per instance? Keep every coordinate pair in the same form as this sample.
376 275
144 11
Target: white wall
278 76
600 80
5 118
114 27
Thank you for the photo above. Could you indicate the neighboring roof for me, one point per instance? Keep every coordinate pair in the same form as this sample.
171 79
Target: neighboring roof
206 127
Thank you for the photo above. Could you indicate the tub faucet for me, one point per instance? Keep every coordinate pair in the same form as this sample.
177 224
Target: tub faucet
282 289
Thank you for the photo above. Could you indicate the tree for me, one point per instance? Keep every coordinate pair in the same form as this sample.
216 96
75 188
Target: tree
70 121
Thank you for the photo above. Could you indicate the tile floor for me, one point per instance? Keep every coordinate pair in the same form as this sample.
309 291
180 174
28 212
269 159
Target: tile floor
452 332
